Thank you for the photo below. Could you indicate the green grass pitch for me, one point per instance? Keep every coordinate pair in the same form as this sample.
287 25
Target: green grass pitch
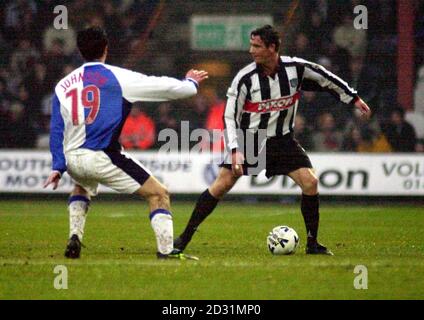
119 260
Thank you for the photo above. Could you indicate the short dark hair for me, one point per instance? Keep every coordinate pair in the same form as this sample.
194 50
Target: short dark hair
92 43
268 35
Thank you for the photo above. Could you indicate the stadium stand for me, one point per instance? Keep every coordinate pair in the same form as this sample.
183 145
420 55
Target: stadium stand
154 37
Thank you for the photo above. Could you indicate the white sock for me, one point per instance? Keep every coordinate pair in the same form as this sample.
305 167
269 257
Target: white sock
161 221
78 207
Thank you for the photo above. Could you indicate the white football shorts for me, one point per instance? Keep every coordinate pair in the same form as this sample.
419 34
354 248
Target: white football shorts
114 169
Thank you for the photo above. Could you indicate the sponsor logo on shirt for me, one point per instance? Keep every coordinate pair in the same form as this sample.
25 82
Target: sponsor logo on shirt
272 105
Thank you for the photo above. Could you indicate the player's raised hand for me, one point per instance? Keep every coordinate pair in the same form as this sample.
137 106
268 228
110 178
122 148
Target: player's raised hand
53 179
197 75
237 160
363 107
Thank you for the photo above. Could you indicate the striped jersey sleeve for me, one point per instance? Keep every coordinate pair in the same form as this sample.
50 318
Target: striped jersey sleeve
317 78
236 98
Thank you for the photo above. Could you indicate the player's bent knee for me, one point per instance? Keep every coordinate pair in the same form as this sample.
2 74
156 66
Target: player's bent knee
227 185
163 193
156 194
219 190
223 184
160 193
310 186
79 191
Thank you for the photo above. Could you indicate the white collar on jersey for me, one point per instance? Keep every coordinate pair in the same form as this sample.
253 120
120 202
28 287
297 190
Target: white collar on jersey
92 63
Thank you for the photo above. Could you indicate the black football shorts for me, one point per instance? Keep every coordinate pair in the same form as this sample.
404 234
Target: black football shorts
284 154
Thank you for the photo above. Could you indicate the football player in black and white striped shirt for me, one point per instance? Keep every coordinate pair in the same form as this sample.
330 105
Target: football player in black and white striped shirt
264 96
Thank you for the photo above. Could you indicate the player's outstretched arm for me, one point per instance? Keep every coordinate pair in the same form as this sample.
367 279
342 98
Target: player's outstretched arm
317 78
139 87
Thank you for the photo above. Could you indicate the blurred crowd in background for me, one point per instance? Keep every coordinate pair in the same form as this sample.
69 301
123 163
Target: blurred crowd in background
34 56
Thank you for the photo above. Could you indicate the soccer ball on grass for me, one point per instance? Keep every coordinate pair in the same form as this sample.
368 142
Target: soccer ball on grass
282 240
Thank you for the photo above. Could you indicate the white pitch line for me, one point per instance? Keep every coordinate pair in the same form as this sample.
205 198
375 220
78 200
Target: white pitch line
342 264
